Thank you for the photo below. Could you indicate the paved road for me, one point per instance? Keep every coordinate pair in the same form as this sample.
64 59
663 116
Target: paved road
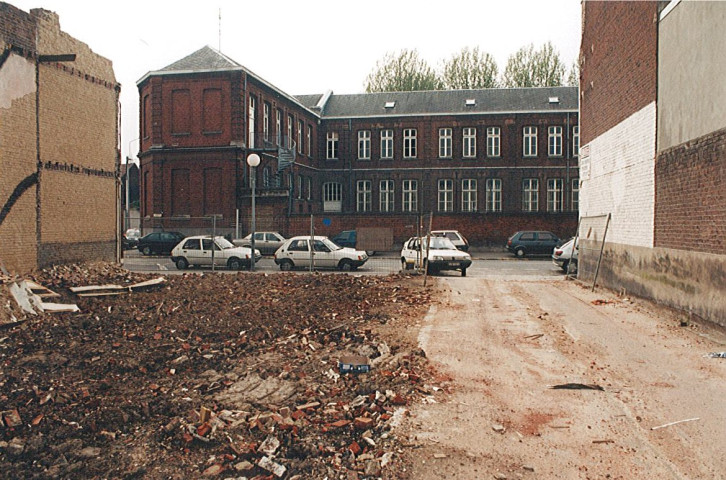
486 265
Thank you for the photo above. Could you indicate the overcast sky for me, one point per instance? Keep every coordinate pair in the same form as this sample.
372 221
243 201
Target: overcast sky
305 47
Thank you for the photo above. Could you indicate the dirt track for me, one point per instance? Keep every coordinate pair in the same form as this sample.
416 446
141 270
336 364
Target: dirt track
500 344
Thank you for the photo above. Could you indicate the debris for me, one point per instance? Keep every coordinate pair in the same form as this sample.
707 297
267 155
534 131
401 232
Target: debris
576 386
716 355
105 290
275 468
11 418
675 423
440 455
535 336
499 428
603 441
353 364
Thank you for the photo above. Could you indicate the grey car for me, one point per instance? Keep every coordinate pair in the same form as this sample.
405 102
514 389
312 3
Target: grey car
532 242
266 242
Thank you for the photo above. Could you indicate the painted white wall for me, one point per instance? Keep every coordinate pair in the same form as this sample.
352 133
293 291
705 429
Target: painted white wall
618 177
17 79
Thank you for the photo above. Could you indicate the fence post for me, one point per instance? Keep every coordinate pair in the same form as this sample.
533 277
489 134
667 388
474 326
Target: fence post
602 248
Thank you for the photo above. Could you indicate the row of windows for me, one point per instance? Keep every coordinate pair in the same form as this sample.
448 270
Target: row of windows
299 136
333 195
468 146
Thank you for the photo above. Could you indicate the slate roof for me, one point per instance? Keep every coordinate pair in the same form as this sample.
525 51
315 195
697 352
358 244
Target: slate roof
443 102
362 105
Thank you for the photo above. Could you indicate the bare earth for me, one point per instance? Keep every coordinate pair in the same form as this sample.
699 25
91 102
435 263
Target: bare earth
500 344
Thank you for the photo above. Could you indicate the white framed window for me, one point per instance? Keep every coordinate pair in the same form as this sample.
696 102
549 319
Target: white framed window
387 144
386 195
409 143
299 136
469 143
310 188
332 197
494 141
266 121
278 126
332 146
251 122
410 196
530 194
529 148
364 144
266 177
576 141
363 196
290 138
468 195
494 195
310 140
554 141
446 195
445 142
575 200
555 195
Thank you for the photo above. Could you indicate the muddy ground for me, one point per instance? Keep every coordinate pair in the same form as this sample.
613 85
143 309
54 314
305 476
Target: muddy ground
239 376
225 376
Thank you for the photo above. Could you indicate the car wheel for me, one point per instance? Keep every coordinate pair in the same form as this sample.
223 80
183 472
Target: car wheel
463 272
520 252
286 265
370 253
234 263
345 265
404 265
565 264
146 251
181 263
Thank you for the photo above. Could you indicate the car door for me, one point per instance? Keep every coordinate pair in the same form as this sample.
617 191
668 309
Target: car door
412 252
205 254
260 243
322 256
299 252
545 242
191 250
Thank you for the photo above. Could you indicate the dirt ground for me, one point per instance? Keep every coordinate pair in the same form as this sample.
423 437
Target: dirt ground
501 345
239 376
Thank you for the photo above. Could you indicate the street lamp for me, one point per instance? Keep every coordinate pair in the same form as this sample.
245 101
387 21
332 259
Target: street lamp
253 160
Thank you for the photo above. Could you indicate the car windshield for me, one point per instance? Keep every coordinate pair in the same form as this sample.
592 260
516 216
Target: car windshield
441 243
331 244
223 243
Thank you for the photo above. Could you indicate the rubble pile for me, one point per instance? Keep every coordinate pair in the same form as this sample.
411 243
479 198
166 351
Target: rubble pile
228 376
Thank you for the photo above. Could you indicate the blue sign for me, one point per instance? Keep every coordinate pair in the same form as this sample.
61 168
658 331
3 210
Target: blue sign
326 222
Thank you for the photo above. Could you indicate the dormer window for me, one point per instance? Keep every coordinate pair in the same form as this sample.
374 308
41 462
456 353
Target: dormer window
470 102
390 104
554 100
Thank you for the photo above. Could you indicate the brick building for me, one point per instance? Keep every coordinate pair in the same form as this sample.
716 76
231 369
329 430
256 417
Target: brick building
58 145
486 162
654 151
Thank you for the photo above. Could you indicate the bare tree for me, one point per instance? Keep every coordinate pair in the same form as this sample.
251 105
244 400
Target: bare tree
402 72
573 79
534 68
470 69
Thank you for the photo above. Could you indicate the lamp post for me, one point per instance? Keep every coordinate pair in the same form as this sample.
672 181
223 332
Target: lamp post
253 160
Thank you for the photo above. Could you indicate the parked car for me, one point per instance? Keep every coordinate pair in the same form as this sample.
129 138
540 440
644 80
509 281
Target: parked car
456 238
199 250
159 243
349 238
442 255
532 243
265 242
130 238
565 256
295 252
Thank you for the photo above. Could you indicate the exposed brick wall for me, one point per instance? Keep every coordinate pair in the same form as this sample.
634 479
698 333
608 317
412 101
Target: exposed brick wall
690 195
64 167
16 28
479 229
17 142
618 64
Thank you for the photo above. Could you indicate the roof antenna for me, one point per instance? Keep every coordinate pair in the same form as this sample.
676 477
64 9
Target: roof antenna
220 30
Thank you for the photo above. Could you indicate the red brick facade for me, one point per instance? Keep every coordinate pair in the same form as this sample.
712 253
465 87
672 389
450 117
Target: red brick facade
618 63
690 198
192 167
